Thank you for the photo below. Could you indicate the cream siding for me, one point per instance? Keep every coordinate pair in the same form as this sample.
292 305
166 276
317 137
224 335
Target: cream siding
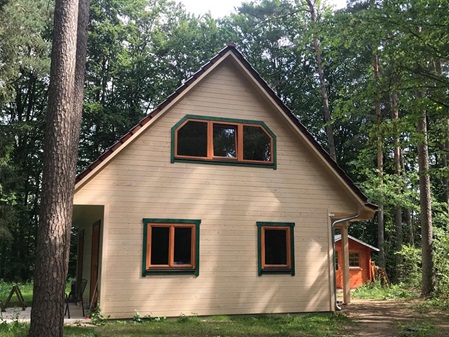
140 182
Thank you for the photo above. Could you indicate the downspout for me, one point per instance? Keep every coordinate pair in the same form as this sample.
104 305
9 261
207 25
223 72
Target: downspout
336 222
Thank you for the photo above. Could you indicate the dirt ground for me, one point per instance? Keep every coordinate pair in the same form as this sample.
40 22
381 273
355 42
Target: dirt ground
383 318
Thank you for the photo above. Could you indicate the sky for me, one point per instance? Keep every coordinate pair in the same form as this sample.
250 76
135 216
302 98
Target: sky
220 8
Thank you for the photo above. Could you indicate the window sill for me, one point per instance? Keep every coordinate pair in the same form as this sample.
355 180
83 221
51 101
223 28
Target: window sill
170 272
355 268
225 162
276 271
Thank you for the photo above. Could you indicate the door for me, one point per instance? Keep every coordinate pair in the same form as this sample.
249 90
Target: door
80 256
94 264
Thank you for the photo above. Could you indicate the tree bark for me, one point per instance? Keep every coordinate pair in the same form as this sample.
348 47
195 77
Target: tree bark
398 171
323 87
60 154
446 166
428 275
380 169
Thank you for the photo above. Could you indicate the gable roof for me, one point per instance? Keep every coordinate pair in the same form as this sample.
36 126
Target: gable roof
338 238
229 51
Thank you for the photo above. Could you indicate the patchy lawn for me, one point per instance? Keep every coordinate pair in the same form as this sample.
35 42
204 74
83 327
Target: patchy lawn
309 325
375 318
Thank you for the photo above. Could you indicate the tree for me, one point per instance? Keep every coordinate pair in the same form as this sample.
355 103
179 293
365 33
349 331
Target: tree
313 6
61 143
428 274
25 47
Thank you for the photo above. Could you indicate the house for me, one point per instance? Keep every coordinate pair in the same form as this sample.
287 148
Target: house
360 263
218 202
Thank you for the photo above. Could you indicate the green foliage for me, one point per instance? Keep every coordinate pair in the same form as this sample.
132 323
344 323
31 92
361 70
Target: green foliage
138 318
14 329
97 318
411 265
441 244
417 329
433 304
25 27
375 291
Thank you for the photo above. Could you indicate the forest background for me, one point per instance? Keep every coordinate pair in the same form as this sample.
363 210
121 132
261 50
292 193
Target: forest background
369 81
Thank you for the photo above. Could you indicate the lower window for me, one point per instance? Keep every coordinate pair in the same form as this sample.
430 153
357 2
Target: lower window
354 260
276 248
171 246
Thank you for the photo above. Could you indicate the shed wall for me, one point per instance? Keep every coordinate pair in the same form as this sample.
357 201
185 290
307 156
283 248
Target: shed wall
358 276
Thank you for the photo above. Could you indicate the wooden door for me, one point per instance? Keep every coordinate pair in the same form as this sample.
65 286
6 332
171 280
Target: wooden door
80 256
94 264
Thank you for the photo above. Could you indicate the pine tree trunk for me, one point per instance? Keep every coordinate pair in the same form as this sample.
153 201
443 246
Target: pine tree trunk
428 276
409 221
446 167
380 169
398 172
323 87
60 154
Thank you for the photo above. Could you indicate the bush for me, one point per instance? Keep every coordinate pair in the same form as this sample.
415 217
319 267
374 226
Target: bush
441 249
375 291
410 269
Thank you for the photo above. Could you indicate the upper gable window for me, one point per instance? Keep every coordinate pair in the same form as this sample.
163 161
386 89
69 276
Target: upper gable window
220 140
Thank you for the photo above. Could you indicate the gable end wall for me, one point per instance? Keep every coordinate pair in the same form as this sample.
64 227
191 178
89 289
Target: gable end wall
140 182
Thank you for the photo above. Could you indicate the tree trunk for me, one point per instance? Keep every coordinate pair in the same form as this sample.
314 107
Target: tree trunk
409 221
60 155
446 166
428 276
398 172
323 87
380 169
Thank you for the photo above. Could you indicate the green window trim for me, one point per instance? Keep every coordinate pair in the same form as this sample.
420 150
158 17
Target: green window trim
290 267
224 161
170 270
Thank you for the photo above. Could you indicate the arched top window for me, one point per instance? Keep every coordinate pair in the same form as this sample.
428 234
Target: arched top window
224 141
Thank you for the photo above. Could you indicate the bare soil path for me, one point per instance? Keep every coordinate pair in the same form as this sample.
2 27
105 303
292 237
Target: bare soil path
384 318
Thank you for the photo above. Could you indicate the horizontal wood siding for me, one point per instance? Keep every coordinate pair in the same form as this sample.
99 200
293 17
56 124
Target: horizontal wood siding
140 182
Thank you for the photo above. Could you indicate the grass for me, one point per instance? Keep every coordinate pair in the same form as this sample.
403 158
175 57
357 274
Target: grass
432 304
375 291
417 329
25 288
310 325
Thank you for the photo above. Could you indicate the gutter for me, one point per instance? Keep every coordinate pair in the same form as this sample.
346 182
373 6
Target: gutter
336 222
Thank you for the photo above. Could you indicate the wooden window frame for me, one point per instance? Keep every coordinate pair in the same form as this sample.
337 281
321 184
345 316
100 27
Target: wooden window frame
289 267
211 158
171 267
351 259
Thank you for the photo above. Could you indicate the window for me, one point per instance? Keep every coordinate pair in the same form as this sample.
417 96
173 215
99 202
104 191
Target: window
336 260
276 248
222 140
170 246
354 260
